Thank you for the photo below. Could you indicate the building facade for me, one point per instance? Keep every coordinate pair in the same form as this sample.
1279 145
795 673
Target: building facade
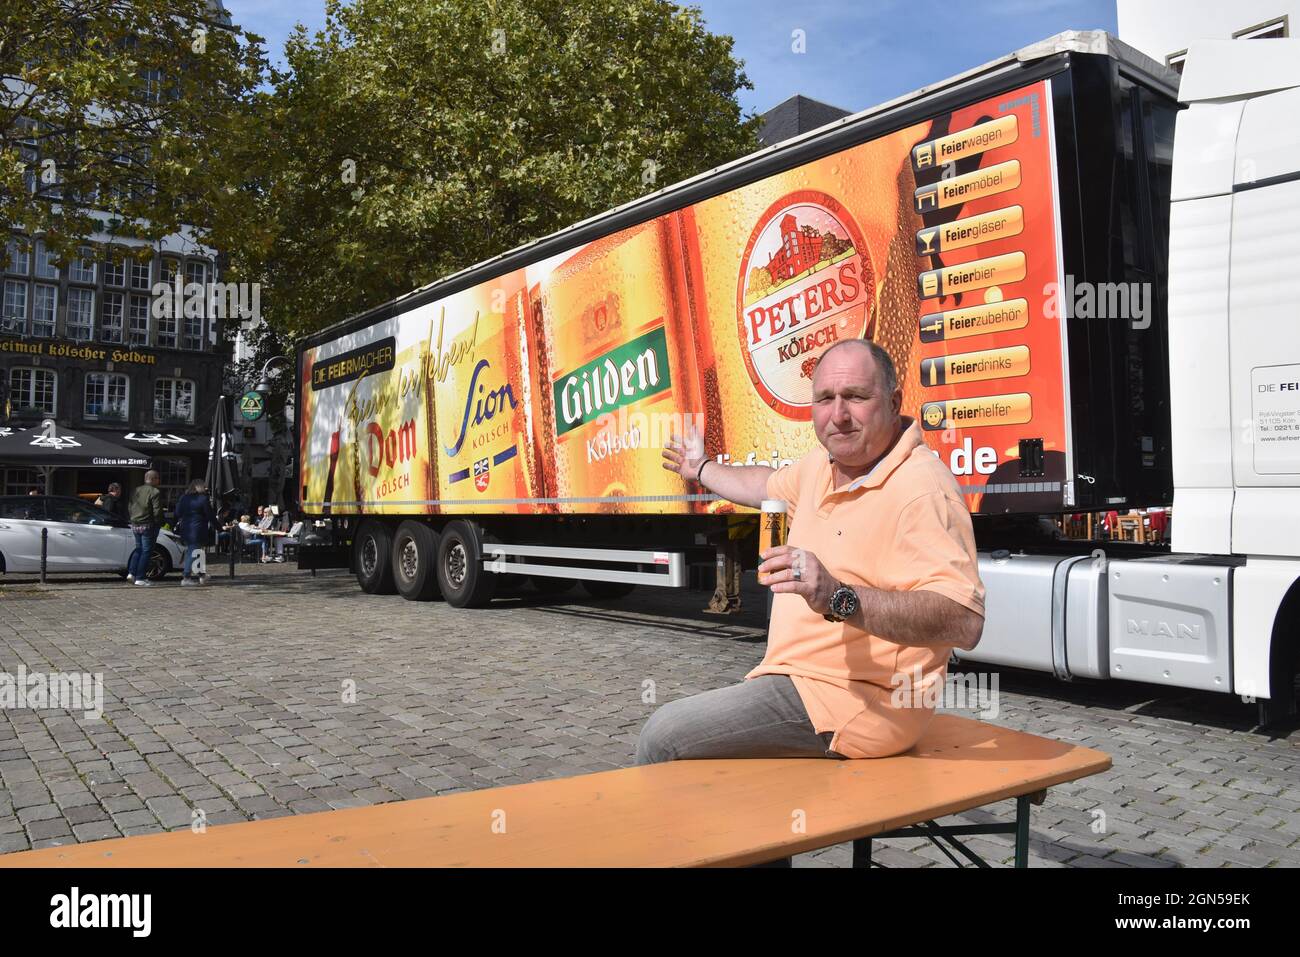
96 345
1164 29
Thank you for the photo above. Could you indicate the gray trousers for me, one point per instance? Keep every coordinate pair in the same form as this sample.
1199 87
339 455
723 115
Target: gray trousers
760 718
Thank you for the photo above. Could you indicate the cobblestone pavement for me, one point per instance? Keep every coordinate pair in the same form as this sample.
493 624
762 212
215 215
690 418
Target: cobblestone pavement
229 700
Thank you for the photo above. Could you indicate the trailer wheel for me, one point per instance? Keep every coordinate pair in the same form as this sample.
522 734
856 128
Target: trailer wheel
372 549
598 589
461 576
415 553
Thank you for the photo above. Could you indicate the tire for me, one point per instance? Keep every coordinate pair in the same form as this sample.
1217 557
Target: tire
461 577
415 554
552 586
608 589
372 551
160 563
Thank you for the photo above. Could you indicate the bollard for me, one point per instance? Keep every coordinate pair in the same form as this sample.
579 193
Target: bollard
45 548
236 542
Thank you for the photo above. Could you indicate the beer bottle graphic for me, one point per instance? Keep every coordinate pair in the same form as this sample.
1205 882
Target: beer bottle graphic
526 370
695 305
792 264
328 497
622 355
428 433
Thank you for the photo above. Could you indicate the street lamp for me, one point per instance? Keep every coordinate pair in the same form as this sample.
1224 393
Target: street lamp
263 384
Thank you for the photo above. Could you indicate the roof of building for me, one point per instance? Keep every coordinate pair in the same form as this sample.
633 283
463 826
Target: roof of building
799 114
219 13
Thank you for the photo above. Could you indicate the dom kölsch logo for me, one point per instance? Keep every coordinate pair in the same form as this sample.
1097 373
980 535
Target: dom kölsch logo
806 282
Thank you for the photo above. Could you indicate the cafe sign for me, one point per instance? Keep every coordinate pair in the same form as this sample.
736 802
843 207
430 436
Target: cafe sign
75 350
252 405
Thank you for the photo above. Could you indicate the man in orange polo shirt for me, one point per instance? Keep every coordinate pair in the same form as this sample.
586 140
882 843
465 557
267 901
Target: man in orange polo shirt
877 583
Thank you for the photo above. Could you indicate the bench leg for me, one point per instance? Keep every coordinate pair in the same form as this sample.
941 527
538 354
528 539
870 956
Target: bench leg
938 834
862 852
1022 830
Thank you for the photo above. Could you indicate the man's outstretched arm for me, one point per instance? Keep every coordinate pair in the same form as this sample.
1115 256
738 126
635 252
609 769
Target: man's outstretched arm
742 484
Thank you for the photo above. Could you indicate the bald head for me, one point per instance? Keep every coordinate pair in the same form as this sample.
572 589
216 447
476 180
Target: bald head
870 352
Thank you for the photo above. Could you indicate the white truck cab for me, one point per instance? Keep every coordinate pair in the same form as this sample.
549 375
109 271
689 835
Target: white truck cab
1221 610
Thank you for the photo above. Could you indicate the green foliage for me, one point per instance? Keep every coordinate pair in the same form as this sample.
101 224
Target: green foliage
140 109
410 139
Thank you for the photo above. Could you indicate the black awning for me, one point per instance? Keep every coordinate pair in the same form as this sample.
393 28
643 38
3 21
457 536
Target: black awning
48 446
154 443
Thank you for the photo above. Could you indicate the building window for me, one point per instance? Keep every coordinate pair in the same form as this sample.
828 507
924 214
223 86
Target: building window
151 85
45 267
166 312
22 481
166 331
106 396
140 274
195 273
44 303
173 400
81 314
196 276
32 390
13 314
114 270
82 269
175 476
1270 30
193 333
139 320
25 130
16 256
111 317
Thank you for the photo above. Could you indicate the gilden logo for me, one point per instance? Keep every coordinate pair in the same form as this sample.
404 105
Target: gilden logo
806 282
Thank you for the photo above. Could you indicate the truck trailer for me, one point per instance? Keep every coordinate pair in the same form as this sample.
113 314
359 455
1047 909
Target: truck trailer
1077 261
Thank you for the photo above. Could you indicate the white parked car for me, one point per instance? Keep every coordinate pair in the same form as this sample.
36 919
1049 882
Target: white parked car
82 538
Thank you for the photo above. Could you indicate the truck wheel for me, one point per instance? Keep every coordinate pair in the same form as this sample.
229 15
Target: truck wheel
461 577
552 586
415 552
608 589
372 550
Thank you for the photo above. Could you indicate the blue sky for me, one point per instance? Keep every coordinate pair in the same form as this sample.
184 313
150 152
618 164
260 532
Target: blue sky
857 54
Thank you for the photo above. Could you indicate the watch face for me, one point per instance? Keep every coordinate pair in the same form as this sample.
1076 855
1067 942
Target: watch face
844 602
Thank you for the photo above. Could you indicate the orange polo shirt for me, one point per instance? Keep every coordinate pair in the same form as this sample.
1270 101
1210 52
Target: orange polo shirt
903 527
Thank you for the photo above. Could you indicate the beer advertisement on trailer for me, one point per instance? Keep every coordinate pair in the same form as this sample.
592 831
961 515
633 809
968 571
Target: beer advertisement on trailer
552 388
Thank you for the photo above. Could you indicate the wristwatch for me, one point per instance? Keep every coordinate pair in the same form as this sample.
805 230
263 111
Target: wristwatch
844 604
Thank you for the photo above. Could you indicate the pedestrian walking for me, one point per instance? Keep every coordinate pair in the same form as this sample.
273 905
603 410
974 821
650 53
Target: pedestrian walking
146 516
194 523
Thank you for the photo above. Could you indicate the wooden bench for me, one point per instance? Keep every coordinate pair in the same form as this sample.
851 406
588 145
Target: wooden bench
683 813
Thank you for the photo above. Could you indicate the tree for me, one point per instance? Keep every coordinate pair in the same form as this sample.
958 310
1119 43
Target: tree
410 139
142 110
